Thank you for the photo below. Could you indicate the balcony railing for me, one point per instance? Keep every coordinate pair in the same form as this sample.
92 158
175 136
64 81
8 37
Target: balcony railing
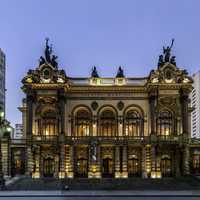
135 139
45 137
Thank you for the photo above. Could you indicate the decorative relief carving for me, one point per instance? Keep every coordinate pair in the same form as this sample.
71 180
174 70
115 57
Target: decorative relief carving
120 105
94 105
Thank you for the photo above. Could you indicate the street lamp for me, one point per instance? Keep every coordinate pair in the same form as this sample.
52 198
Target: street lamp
2 181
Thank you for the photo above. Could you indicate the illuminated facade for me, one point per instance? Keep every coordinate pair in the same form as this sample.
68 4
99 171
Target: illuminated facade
108 127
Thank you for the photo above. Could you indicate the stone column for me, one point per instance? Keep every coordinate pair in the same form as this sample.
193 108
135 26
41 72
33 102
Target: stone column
153 160
184 106
186 160
177 162
61 99
62 161
29 161
152 101
124 163
94 160
72 154
117 162
144 172
29 119
5 156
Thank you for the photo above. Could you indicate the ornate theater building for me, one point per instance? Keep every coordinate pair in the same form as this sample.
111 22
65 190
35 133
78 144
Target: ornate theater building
106 127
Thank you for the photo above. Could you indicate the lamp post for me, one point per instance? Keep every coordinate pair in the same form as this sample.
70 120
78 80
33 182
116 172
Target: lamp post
2 181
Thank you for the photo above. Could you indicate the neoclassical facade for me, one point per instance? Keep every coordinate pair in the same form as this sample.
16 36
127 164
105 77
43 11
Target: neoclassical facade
107 127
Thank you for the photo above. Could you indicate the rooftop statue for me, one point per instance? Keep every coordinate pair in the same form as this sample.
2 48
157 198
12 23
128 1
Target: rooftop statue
120 73
53 61
173 60
160 60
49 58
166 56
167 52
94 73
48 51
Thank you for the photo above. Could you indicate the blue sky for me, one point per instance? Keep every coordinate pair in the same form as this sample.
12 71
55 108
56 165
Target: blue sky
104 33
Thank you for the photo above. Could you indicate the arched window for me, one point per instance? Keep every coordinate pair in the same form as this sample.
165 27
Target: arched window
108 123
133 123
165 123
82 123
49 123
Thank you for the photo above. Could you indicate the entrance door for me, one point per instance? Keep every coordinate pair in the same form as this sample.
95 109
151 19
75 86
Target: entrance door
133 167
48 167
166 167
196 164
107 167
82 167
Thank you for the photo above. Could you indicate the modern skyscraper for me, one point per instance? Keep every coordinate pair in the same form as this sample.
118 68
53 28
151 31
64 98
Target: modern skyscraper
2 79
195 101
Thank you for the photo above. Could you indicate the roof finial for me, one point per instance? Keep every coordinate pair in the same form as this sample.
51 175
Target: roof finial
94 73
120 73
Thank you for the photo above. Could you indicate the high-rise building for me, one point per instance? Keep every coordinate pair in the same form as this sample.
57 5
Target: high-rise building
2 79
18 132
195 101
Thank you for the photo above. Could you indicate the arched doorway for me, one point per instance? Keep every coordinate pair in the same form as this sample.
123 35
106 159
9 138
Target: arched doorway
82 167
196 164
17 162
166 166
134 167
48 167
81 161
107 167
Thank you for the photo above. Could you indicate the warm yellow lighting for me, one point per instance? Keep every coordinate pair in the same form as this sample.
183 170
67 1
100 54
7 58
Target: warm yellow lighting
29 80
36 175
46 132
155 80
120 81
185 80
9 129
153 175
1 114
156 174
167 132
61 175
70 175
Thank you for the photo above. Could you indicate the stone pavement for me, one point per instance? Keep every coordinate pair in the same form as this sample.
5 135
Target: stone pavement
103 193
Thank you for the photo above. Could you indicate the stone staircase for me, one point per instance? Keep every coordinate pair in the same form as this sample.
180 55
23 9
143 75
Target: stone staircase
182 183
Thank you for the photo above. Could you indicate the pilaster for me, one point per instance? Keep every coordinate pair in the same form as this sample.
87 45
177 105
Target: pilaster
186 160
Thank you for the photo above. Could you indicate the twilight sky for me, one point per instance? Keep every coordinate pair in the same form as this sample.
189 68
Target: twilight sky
105 33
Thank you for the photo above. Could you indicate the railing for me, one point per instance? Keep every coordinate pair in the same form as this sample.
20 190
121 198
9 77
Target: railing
139 139
45 137
135 139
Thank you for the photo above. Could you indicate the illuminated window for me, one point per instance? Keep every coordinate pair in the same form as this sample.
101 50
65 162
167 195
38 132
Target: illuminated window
49 123
164 123
82 123
108 123
133 124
